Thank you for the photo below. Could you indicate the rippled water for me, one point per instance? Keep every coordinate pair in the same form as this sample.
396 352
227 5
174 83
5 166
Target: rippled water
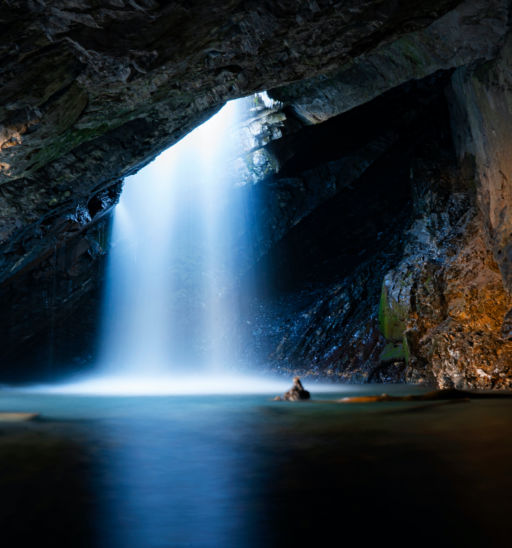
243 471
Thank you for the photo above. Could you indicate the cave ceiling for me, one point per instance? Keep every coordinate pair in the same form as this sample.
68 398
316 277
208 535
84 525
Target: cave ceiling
92 91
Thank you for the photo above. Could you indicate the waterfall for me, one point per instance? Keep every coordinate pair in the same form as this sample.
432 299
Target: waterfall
167 304
180 237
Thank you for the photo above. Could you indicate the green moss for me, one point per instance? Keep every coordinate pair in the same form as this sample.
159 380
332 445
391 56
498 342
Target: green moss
407 350
393 352
410 49
392 317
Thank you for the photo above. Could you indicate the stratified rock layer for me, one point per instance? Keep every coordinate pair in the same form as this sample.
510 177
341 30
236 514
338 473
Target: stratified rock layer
473 32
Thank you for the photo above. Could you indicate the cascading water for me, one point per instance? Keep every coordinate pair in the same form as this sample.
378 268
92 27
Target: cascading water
169 309
180 236
170 266
170 263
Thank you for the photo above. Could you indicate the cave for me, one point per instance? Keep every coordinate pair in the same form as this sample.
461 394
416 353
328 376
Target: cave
359 237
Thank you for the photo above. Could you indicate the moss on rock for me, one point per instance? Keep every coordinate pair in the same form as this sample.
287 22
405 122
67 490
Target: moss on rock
393 352
392 315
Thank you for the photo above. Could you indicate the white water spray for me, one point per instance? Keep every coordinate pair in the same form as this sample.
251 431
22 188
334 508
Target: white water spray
170 267
168 306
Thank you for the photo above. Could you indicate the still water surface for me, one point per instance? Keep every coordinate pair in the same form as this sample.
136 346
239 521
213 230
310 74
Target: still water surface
244 471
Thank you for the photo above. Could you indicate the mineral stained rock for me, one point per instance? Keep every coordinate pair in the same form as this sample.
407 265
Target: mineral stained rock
428 303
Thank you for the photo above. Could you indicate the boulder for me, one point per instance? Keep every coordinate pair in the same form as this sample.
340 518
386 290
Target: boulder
296 392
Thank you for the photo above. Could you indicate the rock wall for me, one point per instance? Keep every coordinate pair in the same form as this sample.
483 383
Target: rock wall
474 31
430 306
483 96
442 306
324 315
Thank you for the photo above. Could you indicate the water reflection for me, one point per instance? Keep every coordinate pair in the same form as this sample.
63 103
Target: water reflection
46 486
241 471
173 483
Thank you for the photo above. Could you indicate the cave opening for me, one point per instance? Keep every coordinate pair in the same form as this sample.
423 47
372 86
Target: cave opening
360 246
318 216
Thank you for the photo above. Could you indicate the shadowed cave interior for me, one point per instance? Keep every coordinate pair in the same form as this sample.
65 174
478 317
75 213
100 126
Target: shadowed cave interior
385 162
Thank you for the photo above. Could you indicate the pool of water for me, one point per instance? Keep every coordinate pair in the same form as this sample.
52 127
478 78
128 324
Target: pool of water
243 471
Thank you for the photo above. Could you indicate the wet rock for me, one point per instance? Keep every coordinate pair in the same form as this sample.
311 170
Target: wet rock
449 298
415 281
79 112
296 392
330 267
436 395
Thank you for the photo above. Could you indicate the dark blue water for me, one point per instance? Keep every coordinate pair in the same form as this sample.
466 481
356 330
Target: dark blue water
243 471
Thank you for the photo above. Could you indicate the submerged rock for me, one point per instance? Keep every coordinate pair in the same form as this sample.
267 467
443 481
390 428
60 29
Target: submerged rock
444 394
296 392
15 416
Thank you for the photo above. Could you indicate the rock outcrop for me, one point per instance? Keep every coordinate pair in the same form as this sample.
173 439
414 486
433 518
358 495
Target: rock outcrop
474 31
428 303
296 393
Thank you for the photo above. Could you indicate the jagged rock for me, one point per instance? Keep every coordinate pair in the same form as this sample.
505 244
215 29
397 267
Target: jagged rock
327 324
296 392
473 31
484 132
506 327
451 302
91 92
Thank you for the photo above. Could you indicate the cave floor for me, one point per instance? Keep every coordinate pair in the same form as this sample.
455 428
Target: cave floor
241 471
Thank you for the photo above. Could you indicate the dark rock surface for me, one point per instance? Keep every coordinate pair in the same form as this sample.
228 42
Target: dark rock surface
410 290
474 31
54 309
483 97
91 92
322 315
